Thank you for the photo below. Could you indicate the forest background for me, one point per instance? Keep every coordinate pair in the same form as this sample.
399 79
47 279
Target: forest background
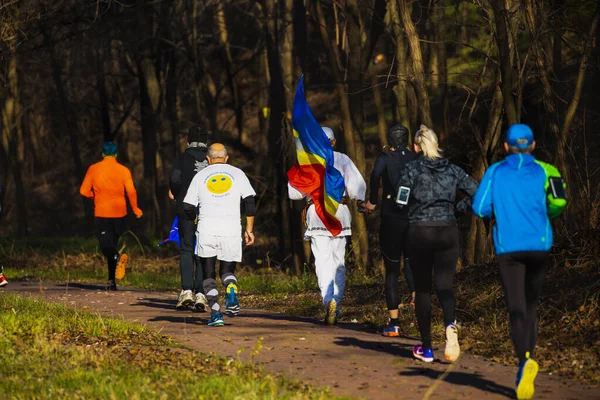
76 73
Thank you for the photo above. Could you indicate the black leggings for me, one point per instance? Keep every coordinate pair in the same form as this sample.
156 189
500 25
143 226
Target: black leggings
433 248
187 260
209 268
392 241
108 231
522 277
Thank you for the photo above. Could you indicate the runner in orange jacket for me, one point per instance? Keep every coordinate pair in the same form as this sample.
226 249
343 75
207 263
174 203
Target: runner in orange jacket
106 182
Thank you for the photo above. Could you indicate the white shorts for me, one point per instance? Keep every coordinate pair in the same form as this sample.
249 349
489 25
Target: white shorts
225 248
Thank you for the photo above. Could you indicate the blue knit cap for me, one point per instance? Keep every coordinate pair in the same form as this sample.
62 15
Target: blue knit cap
109 149
519 135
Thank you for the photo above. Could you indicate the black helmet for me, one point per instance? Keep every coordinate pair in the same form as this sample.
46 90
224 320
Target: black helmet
397 136
197 133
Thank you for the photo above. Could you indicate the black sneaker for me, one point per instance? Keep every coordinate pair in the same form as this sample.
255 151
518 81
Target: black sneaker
111 285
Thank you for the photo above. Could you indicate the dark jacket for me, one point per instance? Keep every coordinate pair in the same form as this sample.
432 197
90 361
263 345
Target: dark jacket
387 168
433 185
191 161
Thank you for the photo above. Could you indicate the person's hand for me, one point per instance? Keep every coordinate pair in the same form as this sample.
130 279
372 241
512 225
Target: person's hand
369 207
138 213
249 238
171 195
361 207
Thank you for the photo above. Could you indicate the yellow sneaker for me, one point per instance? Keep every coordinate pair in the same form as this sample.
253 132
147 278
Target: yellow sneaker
121 265
525 379
330 313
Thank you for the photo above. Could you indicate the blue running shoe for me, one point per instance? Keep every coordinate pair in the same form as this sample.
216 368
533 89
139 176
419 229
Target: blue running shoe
422 354
216 320
526 378
391 330
232 305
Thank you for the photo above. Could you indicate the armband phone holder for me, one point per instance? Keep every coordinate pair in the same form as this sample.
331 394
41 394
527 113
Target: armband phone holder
557 188
403 196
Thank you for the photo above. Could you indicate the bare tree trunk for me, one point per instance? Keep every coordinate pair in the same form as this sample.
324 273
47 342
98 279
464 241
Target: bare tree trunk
278 141
443 61
504 18
352 145
381 124
401 88
12 141
286 40
286 50
238 105
476 247
101 84
417 63
69 126
463 35
149 110
561 154
543 67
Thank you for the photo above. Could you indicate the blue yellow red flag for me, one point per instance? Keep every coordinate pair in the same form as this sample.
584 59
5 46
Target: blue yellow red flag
314 174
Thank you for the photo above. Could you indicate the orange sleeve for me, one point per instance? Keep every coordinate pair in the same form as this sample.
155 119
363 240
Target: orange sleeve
131 193
86 186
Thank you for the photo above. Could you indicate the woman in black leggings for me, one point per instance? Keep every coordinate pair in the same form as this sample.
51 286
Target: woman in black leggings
433 239
393 227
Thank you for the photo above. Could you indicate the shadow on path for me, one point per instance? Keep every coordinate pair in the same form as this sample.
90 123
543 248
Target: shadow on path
306 320
393 348
471 379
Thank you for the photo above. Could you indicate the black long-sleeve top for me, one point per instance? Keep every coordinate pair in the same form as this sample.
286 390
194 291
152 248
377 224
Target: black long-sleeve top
387 166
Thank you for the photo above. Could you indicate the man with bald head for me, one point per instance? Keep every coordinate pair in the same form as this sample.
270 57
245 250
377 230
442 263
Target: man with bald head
217 192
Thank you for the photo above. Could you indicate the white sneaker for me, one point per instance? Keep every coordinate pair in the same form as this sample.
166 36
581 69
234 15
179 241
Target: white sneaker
452 348
201 304
186 298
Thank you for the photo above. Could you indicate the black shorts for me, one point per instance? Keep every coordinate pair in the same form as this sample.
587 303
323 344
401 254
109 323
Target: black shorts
108 231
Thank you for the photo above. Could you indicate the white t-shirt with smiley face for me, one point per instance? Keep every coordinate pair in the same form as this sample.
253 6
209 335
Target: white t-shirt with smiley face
218 190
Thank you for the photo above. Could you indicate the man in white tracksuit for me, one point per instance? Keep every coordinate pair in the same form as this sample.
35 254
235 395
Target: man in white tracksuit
330 251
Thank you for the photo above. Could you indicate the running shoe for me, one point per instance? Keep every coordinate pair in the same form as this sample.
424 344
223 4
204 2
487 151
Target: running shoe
3 281
331 313
216 320
391 330
422 354
452 347
232 305
526 378
201 304
111 285
121 265
186 299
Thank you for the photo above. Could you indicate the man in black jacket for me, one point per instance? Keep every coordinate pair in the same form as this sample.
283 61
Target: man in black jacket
393 228
191 161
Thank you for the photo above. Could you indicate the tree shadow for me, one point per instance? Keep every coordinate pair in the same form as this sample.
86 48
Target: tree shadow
306 320
472 379
163 304
393 348
95 287
180 319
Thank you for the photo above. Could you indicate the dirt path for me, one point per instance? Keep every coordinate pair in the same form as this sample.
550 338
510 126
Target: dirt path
347 358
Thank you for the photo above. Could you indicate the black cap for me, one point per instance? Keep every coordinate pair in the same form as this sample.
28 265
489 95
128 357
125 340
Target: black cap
197 133
397 136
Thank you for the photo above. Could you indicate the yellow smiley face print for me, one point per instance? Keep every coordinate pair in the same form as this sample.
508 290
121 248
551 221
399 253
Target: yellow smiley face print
219 184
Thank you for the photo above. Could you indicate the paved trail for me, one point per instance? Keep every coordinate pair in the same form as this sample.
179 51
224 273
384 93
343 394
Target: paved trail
347 358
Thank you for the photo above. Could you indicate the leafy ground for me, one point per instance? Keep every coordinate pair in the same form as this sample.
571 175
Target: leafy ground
50 351
569 332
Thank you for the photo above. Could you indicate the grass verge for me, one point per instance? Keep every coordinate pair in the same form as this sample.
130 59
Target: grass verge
53 352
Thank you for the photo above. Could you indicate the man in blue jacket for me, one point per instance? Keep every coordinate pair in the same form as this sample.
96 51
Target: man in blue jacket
523 195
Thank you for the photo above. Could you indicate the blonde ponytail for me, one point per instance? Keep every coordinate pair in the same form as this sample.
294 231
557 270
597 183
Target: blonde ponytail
428 142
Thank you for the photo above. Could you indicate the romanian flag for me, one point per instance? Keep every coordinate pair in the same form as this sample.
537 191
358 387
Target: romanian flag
314 174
